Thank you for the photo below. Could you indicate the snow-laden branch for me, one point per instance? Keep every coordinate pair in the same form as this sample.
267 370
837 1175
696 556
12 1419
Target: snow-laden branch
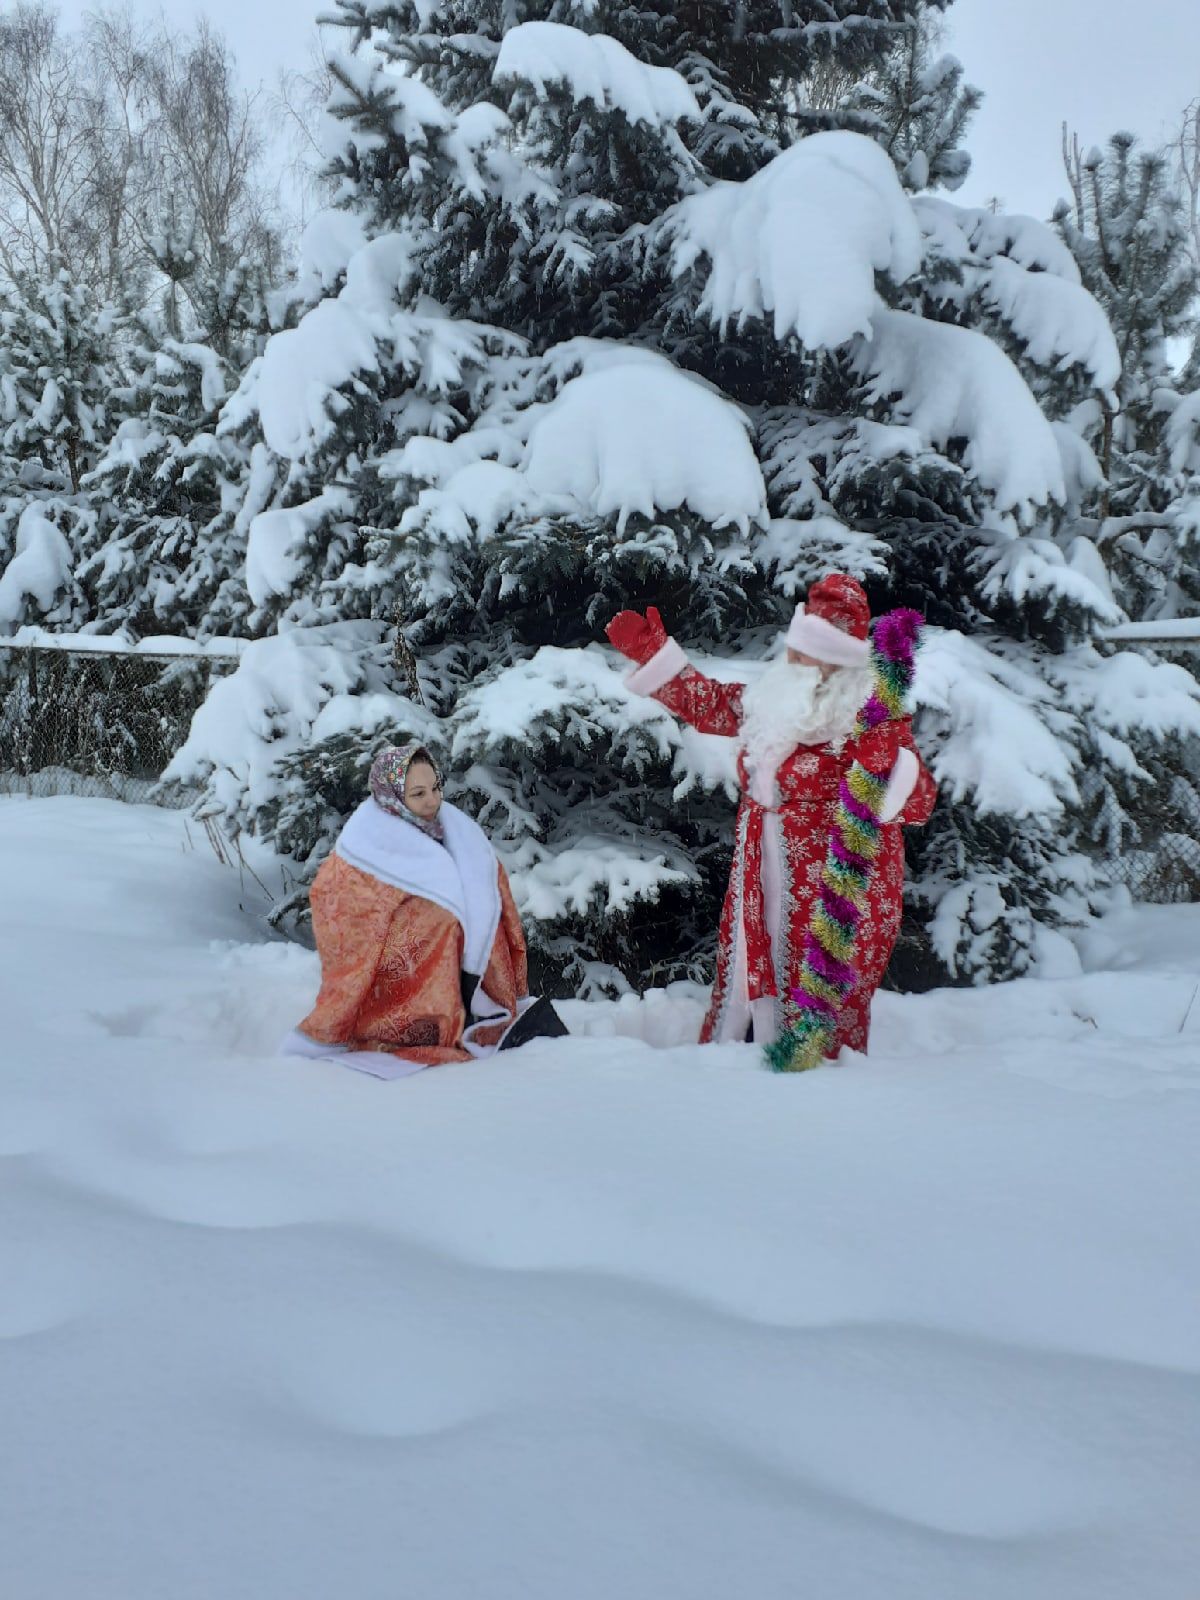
645 437
593 67
801 241
951 383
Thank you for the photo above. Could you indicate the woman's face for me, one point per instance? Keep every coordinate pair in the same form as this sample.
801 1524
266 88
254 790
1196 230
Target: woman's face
798 658
422 791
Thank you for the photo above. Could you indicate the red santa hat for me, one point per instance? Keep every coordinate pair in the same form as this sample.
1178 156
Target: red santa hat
833 623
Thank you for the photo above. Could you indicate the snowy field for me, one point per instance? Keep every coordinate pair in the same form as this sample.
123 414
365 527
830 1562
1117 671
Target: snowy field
615 1319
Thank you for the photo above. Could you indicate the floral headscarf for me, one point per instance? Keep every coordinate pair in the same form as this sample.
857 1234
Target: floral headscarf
386 782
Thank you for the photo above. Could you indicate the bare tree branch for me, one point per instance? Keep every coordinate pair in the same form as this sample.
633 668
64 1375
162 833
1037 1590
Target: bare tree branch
129 153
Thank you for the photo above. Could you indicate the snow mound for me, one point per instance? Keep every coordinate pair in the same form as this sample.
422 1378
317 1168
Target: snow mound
891 1330
801 241
593 67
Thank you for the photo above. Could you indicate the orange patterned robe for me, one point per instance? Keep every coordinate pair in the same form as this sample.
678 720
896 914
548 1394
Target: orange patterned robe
391 965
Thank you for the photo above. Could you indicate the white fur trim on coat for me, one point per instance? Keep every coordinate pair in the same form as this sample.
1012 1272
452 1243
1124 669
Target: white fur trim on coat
820 639
666 663
900 785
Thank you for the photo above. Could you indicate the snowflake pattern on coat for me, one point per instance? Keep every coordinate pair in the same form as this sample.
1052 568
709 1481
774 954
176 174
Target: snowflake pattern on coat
806 786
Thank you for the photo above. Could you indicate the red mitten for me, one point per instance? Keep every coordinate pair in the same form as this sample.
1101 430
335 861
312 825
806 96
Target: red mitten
636 636
878 749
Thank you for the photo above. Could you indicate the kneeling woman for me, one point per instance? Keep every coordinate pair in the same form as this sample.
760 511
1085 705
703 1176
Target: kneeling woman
422 949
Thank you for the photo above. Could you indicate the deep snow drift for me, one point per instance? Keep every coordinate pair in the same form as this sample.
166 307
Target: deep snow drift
598 1320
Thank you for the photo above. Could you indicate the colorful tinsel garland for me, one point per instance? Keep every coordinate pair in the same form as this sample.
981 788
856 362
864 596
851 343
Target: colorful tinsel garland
827 970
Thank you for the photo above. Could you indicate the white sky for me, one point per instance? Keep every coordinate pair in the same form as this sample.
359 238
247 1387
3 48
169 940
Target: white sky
1043 62
1040 62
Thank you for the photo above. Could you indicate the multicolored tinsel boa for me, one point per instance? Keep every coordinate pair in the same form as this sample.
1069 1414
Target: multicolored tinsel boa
827 970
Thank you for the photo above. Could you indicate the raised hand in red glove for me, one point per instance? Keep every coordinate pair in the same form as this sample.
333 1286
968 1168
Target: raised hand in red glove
636 636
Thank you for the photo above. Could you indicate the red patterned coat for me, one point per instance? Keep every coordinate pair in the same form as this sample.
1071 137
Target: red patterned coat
781 838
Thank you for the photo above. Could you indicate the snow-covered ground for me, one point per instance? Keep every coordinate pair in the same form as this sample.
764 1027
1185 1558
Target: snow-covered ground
612 1319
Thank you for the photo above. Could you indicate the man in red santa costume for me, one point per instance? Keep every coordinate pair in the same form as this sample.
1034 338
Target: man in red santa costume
793 725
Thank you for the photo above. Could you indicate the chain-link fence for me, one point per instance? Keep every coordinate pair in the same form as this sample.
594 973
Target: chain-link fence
1163 865
1167 874
82 717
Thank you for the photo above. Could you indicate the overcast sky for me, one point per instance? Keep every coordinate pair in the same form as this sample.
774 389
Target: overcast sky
1040 62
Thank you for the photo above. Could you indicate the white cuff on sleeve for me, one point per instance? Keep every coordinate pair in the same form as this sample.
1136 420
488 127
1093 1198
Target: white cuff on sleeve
900 785
667 663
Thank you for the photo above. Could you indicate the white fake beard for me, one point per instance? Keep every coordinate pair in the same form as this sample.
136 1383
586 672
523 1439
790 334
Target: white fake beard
792 705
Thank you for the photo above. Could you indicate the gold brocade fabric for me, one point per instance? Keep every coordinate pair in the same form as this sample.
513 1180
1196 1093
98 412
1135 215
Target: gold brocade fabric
390 966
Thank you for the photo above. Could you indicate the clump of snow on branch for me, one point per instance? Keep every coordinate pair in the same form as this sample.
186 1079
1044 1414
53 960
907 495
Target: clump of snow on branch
276 547
643 438
1083 475
623 432
401 105
1027 278
557 704
801 241
474 502
549 884
300 369
798 553
329 240
557 693
296 385
39 570
952 383
996 745
1129 693
295 382
593 67
1024 569
1182 431
1059 323
988 234
579 697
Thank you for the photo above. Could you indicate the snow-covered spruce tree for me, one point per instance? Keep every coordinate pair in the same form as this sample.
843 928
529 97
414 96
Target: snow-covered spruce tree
595 830
61 381
168 554
1127 230
60 374
1126 227
727 354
